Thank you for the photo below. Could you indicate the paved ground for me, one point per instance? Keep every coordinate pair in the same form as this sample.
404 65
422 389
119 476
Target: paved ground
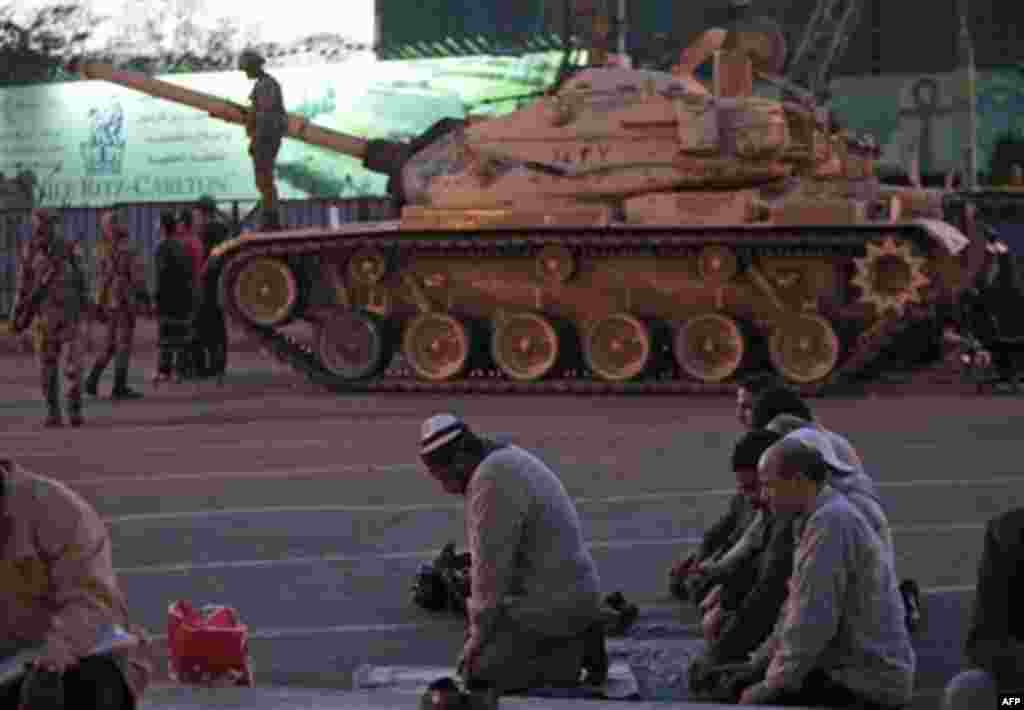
145 337
308 513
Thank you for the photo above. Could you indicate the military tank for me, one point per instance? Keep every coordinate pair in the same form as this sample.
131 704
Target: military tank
632 231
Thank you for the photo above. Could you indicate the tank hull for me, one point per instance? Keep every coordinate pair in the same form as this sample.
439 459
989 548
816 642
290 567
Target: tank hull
585 309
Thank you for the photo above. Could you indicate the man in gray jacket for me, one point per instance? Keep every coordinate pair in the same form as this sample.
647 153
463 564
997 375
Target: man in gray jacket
841 641
534 607
782 410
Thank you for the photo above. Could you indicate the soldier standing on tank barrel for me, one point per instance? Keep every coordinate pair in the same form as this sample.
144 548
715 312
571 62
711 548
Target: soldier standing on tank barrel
51 286
267 123
119 294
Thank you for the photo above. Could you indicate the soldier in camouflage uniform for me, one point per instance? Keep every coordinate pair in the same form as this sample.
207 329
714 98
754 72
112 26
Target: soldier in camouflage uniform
267 124
120 292
52 288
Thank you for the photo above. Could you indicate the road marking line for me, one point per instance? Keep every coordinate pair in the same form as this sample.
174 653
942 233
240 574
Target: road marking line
406 555
614 643
431 554
425 507
212 446
273 473
270 634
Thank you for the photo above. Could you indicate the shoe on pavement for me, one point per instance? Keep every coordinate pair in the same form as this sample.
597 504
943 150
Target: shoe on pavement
911 594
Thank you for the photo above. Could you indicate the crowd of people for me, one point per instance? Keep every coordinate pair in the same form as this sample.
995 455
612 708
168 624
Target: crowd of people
192 333
797 588
800 600
52 292
796 585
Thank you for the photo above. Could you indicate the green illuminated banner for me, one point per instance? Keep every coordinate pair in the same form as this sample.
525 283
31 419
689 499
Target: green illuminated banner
92 143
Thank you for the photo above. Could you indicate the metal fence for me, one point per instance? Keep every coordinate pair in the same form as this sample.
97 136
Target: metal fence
81 225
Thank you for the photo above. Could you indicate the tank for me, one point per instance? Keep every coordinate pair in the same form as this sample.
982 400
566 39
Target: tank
633 231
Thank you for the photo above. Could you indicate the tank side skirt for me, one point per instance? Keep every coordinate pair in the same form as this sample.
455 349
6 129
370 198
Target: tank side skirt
844 241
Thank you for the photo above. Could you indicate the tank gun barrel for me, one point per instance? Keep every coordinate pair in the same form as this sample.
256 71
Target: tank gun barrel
299 127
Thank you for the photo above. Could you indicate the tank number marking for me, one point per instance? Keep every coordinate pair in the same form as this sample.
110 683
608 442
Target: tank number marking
585 154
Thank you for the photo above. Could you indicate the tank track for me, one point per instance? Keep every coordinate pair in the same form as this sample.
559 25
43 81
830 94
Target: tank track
843 241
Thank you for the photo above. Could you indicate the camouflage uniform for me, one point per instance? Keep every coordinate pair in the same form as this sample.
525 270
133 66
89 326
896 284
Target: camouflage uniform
120 290
268 122
51 283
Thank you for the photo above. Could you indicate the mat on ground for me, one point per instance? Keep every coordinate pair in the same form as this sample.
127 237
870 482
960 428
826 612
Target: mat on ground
621 683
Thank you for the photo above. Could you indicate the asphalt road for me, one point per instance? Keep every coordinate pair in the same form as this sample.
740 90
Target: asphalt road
308 513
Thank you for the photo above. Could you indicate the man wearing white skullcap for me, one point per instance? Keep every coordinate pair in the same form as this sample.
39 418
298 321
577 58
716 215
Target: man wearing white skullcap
534 608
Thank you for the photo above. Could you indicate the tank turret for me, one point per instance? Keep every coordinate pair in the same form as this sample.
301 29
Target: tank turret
632 141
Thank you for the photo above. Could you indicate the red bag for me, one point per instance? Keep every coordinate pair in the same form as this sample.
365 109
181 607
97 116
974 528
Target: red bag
207 646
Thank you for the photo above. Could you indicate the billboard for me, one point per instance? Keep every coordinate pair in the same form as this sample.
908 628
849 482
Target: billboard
91 143
401 21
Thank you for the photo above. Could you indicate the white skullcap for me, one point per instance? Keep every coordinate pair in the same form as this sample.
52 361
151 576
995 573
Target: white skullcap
440 430
814 438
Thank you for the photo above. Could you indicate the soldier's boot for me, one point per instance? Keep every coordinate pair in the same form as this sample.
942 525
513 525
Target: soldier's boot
595 655
53 413
92 383
121 389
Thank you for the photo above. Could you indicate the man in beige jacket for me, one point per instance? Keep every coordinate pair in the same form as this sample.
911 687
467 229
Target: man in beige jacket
534 607
58 593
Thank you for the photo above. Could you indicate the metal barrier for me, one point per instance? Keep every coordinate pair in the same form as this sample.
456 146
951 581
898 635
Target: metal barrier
81 225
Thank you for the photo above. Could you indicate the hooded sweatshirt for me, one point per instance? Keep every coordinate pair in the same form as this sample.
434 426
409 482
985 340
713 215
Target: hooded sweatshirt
854 482
857 486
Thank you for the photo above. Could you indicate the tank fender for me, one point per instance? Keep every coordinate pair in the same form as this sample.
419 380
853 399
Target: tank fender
944 234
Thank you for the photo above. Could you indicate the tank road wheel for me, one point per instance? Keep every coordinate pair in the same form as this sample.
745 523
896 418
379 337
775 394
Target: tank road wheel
804 348
368 266
618 347
709 347
266 291
555 264
437 346
525 346
353 345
